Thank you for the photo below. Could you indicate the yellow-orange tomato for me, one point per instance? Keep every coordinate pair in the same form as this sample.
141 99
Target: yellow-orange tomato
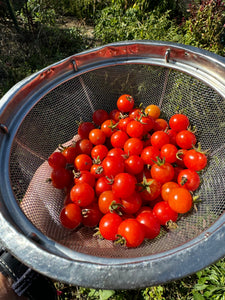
153 111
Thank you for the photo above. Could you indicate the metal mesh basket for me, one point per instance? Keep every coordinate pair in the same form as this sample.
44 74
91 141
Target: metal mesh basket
41 112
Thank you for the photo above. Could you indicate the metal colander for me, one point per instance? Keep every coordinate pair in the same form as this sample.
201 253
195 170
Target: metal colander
40 113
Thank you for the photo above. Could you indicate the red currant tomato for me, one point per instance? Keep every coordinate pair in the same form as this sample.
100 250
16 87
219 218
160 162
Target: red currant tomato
108 226
131 230
118 139
108 127
133 146
162 172
135 129
97 136
70 216
82 194
125 103
150 224
149 155
131 204
166 189
179 122
180 200
84 176
112 165
61 178
83 162
195 160
149 189
108 202
91 215
169 151
188 179
159 138
99 152
99 116
186 139
103 184
124 185
57 160
164 213
134 164
84 129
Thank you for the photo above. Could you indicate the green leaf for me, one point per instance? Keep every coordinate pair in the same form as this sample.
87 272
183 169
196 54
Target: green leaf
106 294
197 296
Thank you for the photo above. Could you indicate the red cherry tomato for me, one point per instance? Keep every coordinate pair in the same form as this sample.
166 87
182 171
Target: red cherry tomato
97 170
159 138
103 184
148 123
118 139
122 124
135 113
186 139
99 116
118 152
164 213
70 153
150 224
179 122
97 136
134 164
160 124
57 160
108 127
131 230
83 162
169 151
84 176
85 146
150 154
188 179
131 204
162 172
61 178
133 146
180 200
108 202
84 129
82 194
195 160
108 226
112 165
124 185
91 215
135 129
99 152
166 189
149 189
115 115
70 216
125 103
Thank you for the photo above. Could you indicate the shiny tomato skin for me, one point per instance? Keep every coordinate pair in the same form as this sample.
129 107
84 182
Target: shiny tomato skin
134 164
159 138
164 213
99 116
118 139
131 204
131 230
105 201
118 152
188 179
179 122
61 178
82 194
83 162
133 146
160 125
122 124
99 151
125 103
135 113
103 184
166 189
124 185
162 173
70 216
148 124
180 200
97 170
169 151
150 189
84 176
108 226
194 160
135 129
112 165
149 155
70 153
91 215
97 136
84 146
57 160
150 224
115 115
186 139
153 111
108 127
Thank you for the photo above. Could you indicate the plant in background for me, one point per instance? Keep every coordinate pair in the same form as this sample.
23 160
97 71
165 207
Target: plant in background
205 26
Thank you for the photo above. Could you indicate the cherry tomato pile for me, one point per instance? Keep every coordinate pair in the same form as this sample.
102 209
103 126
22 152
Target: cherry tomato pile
130 172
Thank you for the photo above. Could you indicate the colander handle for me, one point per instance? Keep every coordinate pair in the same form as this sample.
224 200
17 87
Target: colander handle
26 281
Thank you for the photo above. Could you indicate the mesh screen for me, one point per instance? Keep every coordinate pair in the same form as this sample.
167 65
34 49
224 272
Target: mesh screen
52 121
